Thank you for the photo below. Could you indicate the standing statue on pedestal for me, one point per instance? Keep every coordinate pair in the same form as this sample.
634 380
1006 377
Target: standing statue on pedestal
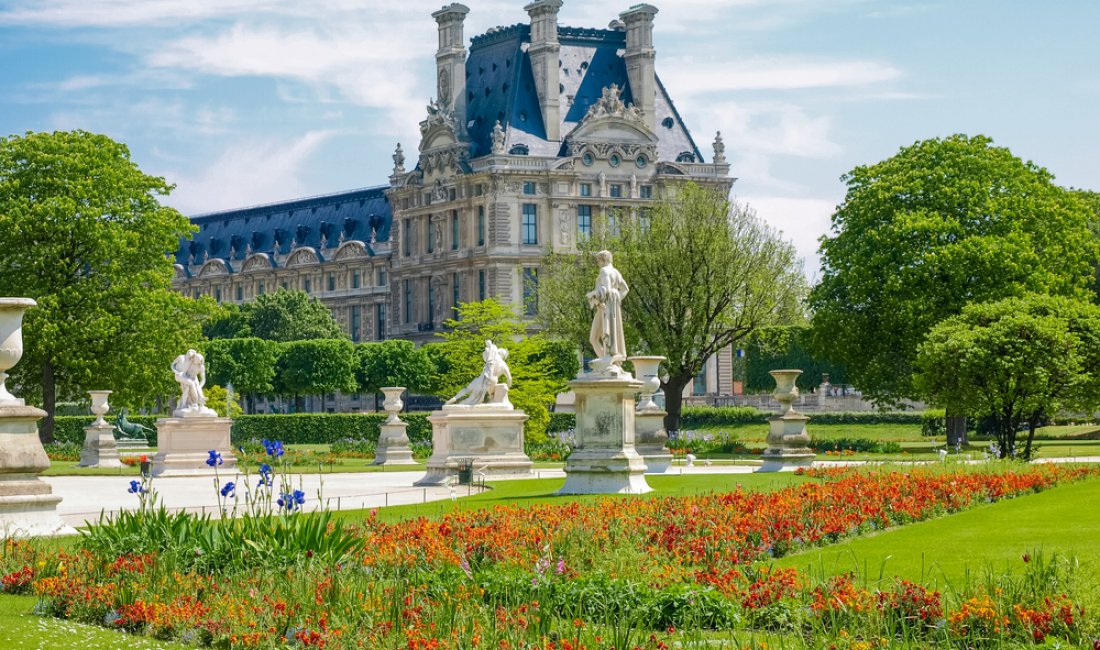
190 372
606 335
487 387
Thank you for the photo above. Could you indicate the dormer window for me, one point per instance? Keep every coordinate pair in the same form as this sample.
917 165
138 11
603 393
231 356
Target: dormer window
686 157
519 150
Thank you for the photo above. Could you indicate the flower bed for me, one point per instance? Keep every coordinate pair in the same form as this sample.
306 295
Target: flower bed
613 573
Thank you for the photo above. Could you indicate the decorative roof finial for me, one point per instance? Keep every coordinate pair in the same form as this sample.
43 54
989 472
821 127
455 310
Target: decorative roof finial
498 139
719 150
398 160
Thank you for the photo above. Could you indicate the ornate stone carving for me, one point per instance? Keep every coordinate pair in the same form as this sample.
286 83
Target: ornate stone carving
719 150
444 86
438 115
611 105
498 139
398 160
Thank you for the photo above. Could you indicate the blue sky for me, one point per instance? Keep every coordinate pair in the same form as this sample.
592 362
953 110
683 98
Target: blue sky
241 102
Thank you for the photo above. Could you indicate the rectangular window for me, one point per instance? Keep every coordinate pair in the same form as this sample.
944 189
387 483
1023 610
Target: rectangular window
643 220
454 230
381 277
429 240
530 225
195 293
240 293
218 294
456 291
616 191
481 285
481 225
286 287
431 301
529 188
408 302
586 189
407 232
699 386
646 191
356 323
355 280
332 282
612 223
530 291
260 287
380 321
584 221
307 285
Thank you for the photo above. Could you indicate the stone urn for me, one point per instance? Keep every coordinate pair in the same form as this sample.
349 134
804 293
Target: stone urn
393 403
99 406
11 342
646 369
786 390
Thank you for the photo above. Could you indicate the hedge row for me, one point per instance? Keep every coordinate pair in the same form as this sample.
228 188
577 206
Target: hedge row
707 416
301 428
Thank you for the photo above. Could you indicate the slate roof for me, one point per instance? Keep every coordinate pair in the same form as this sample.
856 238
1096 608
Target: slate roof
272 228
500 86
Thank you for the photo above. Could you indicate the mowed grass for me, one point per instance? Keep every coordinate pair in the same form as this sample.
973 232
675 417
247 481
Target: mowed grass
948 551
531 492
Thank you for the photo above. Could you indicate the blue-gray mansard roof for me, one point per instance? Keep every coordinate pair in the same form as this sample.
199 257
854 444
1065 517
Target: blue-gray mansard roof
274 227
500 85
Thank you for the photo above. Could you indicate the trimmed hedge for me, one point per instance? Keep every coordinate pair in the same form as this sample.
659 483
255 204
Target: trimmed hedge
297 429
709 416
561 422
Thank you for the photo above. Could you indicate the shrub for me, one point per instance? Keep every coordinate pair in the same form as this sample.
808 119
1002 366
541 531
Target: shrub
561 422
933 423
325 428
63 451
70 428
857 445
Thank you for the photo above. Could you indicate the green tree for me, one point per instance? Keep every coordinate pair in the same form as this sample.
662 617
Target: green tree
1092 200
771 348
247 363
1016 360
393 363
703 275
85 235
943 223
229 322
290 316
540 367
315 367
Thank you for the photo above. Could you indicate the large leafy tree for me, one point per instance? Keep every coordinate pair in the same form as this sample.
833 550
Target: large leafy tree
396 362
703 275
540 366
1014 361
246 363
771 348
85 234
279 316
315 367
943 223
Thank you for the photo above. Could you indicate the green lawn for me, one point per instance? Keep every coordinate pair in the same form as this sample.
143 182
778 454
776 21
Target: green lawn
1064 520
20 629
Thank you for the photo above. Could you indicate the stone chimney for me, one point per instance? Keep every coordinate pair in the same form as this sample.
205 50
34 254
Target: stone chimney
450 62
639 58
544 62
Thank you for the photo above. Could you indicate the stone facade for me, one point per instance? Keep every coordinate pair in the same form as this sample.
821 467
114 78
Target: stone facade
538 134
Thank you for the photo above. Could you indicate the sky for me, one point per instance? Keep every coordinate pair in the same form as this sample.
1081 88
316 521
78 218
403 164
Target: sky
244 102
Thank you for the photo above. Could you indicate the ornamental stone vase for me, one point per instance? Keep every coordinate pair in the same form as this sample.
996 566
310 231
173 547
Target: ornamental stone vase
393 403
788 444
650 436
100 448
28 506
646 369
393 442
99 405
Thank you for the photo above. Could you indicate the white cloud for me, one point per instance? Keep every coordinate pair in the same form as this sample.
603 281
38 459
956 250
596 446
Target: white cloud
247 173
802 220
694 78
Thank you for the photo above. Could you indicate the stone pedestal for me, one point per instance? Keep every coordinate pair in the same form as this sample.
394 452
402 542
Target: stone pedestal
28 507
490 436
651 440
788 443
100 448
605 460
184 444
393 443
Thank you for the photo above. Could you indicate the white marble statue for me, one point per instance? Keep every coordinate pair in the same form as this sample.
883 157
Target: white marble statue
486 387
190 372
606 335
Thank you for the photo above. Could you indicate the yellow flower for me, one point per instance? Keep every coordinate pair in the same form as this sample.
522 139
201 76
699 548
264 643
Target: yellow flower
41 563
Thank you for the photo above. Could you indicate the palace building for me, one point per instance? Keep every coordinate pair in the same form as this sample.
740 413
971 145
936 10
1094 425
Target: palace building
537 132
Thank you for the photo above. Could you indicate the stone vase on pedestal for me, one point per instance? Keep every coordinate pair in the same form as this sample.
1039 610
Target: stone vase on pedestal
393 441
28 506
788 444
605 460
100 447
650 437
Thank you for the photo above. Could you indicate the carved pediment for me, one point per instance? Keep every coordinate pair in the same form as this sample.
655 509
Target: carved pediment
179 272
213 268
258 262
304 256
351 250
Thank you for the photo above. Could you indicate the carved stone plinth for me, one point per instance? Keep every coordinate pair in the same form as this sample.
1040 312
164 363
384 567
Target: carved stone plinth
100 447
788 443
651 440
184 444
393 445
605 460
28 507
491 437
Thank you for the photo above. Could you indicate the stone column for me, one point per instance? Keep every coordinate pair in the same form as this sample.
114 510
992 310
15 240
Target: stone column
100 448
605 460
28 506
393 443
788 443
650 437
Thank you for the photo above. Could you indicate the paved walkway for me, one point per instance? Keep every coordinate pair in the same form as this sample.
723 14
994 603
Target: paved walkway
84 497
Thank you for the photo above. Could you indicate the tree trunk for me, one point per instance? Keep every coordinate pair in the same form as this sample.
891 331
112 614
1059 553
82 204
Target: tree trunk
674 400
299 403
49 402
1032 424
956 430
